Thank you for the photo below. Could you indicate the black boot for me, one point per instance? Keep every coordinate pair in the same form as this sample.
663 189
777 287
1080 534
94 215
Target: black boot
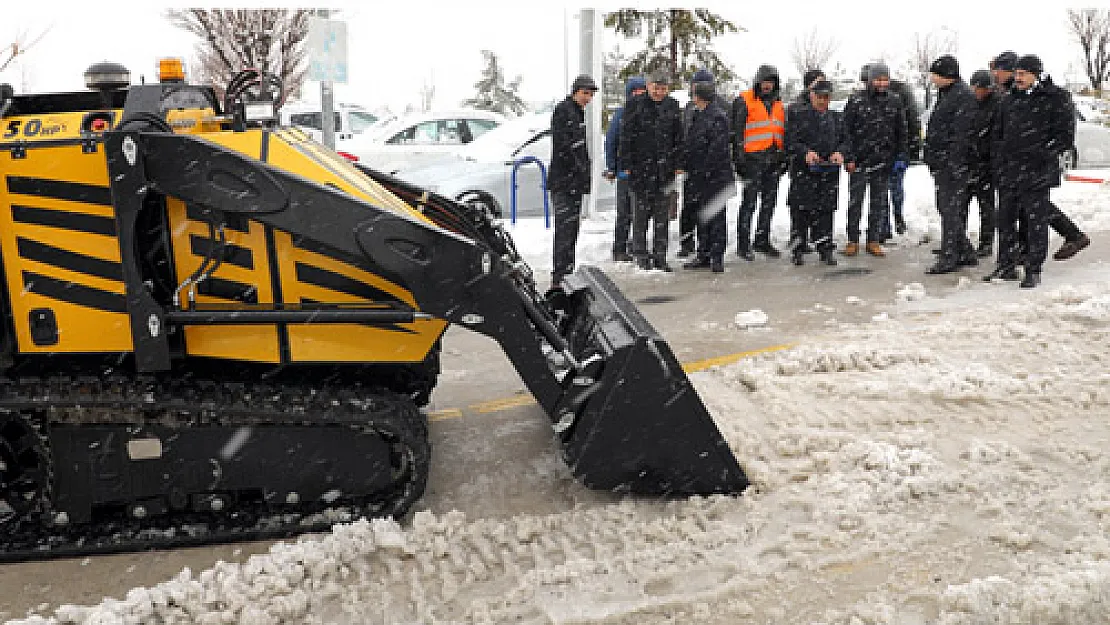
942 267
765 247
899 224
717 265
827 257
661 264
1001 273
797 256
1031 279
697 263
744 251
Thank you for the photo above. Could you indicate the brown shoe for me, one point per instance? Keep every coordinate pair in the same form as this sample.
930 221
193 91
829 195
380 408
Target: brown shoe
851 249
1071 248
874 249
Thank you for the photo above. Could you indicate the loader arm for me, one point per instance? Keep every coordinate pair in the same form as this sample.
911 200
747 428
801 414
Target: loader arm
627 416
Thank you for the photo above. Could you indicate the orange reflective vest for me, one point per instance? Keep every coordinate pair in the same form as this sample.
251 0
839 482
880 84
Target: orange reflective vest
763 129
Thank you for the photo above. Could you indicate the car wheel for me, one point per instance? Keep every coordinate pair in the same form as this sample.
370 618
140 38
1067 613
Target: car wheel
481 201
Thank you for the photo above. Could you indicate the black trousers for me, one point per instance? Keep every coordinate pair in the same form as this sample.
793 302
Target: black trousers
982 191
877 180
623 224
1035 210
568 211
712 228
654 207
813 205
952 202
761 188
688 233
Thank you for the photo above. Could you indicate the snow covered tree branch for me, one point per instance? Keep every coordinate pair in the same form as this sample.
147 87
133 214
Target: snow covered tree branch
1091 29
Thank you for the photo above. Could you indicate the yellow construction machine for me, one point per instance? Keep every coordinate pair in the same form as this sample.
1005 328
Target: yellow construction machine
213 328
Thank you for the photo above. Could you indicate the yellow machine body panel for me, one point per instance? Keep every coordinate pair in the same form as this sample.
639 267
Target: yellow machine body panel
262 266
59 243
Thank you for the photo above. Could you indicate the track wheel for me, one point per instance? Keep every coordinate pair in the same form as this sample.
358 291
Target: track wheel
23 469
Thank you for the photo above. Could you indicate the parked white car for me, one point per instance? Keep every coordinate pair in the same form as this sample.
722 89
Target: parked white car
481 173
420 138
351 120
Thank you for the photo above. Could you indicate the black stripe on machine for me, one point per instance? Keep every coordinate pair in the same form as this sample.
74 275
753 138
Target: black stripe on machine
229 289
69 260
60 190
78 294
232 254
316 276
80 222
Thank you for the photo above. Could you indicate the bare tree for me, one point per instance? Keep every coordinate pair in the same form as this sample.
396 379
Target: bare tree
926 48
21 43
812 51
270 40
427 95
1091 29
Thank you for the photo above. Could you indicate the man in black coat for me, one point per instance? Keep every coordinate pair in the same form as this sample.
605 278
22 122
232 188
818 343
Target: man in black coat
813 151
898 172
709 178
1034 127
947 150
568 176
688 218
758 131
981 183
651 148
1075 239
875 137
809 78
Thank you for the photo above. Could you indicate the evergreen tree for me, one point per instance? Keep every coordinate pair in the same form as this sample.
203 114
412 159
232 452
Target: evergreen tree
493 94
676 40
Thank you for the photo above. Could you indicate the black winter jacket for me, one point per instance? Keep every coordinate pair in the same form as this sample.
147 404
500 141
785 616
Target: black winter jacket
874 129
913 117
810 130
948 138
1031 131
708 172
982 128
651 145
570 161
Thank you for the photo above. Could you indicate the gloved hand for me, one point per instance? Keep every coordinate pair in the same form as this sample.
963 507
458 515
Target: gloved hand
622 175
779 163
900 165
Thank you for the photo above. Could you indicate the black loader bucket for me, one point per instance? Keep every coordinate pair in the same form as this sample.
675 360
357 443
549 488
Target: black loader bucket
629 419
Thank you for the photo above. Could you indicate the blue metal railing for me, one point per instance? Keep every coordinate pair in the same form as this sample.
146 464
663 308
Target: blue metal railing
524 160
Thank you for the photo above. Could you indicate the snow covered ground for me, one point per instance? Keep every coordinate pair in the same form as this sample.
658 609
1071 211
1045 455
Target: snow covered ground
947 463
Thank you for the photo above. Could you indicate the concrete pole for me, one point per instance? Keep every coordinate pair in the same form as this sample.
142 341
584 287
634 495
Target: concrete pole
589 62
327 102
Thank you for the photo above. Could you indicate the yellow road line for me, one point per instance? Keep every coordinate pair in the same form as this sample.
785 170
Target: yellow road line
701 365
498 405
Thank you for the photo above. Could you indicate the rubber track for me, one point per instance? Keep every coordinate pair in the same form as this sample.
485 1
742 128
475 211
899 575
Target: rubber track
187 402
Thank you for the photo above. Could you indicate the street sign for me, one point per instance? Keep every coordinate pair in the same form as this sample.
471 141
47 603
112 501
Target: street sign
327 50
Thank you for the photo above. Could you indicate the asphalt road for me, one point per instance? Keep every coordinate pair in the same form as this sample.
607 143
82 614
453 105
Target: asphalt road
493 450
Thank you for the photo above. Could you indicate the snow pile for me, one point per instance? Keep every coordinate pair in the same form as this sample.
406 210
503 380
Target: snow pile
946 468
751 319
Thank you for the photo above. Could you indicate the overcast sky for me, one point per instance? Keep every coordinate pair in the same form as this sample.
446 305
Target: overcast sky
395 47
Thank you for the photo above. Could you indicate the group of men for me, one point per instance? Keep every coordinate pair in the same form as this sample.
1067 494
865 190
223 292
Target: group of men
1002 134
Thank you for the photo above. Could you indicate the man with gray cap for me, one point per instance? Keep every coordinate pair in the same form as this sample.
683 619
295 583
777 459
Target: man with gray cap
688 218
568 176
875 137
981 183
947 151
652 154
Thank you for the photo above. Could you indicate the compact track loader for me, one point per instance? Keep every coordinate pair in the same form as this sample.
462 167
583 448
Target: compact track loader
215 329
